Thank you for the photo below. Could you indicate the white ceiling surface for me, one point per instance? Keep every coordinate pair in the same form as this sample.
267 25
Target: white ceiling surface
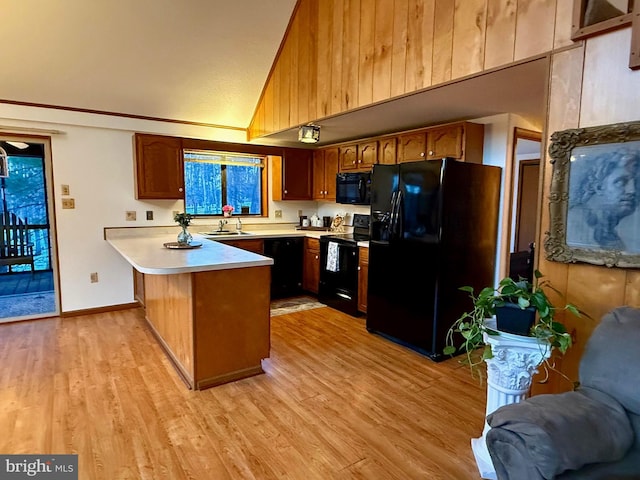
192 60
206 61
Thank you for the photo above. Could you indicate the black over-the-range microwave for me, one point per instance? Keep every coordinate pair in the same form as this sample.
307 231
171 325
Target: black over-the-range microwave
353 188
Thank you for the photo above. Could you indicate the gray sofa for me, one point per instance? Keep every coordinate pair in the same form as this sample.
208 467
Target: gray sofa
590 433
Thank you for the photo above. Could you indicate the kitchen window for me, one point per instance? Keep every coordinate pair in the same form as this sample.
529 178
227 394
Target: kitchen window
213 179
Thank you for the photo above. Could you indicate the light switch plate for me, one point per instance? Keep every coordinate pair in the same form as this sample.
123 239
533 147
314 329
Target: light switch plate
65 189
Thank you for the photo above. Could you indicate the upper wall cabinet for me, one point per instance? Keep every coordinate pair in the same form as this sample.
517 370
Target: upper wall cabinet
325 168
159 170
291 179
361 156
387 150
412 147
462 141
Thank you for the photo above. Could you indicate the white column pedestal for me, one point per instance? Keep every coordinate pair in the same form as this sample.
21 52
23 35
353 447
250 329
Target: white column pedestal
515 360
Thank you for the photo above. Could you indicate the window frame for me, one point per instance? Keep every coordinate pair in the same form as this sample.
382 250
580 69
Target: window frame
263 174
242 148
581 32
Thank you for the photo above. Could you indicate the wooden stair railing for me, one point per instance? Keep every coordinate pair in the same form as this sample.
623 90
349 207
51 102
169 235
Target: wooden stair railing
15 248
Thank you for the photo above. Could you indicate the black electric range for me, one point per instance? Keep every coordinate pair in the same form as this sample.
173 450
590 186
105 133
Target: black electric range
339 267
360 231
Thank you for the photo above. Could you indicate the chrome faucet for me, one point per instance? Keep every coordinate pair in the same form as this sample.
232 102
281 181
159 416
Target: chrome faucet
221 225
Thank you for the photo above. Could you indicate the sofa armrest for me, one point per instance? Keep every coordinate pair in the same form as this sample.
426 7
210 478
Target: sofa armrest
546 435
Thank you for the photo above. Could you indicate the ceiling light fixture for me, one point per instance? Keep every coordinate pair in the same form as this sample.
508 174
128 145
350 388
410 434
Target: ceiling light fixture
309 133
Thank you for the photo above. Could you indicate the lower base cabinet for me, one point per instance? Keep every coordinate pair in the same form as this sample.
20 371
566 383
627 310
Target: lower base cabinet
363 278
311 265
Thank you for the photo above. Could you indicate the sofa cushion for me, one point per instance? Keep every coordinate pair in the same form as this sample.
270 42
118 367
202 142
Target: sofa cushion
558 432
611 357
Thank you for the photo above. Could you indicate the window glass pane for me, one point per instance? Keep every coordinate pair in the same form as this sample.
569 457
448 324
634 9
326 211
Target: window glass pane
203 188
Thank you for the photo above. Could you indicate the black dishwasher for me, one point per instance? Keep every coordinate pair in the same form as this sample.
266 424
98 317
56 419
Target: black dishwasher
286 271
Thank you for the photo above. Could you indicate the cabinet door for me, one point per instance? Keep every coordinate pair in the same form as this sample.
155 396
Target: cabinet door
367 155
363 278
319 181
159 167
330 172
445 142
292 174
348 157
311 265
387 151
411 147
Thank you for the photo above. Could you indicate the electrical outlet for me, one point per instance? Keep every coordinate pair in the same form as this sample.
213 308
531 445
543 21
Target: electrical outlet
149 214
278 213
130 215
94 277
64 189
68 203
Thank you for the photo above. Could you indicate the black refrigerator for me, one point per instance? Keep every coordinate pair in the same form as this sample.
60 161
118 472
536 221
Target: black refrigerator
433 229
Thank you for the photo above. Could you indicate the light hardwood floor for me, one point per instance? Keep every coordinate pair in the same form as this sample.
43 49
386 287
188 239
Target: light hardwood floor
335 402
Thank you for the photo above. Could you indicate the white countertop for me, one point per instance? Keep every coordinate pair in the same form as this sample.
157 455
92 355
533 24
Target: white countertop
147 254
144 248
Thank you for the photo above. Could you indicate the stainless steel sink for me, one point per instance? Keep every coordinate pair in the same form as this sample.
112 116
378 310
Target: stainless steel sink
226 232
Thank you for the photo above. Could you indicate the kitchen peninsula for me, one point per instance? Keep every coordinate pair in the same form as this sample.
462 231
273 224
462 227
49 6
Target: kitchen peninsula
208 306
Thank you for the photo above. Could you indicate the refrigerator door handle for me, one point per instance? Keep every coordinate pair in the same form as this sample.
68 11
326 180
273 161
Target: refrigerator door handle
395 209
392 217
398 226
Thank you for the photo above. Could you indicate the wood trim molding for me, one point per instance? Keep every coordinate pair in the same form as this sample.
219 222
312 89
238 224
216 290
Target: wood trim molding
90 311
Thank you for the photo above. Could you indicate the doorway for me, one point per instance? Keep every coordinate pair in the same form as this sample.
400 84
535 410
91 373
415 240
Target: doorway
524 202
28 261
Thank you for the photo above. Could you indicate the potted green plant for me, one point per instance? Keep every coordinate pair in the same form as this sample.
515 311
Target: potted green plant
520 296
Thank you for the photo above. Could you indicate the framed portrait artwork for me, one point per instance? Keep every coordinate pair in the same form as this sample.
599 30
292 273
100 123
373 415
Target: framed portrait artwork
594 213
4 163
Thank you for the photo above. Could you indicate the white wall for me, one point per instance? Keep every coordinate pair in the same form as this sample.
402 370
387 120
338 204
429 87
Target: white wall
94 155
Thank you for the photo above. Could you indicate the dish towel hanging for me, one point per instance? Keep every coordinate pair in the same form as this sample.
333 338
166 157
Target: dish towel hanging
332 257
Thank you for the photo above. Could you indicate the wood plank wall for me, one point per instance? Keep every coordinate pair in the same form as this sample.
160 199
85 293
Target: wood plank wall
338 55
589 85
408 45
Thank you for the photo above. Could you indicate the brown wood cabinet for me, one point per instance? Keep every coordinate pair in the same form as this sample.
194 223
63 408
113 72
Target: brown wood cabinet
387 150
159 170
311 265
360 156
348 157
411 147
363 278
367 155
463 141
255 245
292 174
325 168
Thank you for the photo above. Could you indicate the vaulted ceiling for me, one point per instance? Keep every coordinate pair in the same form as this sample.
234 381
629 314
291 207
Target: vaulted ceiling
191 60
206 61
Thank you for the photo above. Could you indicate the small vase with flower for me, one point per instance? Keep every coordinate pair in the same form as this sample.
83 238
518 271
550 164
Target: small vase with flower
183 219
227 210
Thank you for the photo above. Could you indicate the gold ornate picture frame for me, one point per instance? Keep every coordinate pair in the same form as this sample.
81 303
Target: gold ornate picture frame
594 201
